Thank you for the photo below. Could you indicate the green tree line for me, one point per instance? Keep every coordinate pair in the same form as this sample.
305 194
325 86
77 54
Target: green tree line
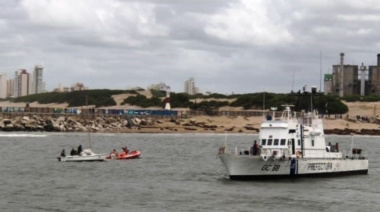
103 97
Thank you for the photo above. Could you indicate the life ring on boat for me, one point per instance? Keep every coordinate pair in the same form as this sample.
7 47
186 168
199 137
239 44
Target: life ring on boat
264 157
298 154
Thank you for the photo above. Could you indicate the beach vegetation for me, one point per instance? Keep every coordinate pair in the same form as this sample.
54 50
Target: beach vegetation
99 98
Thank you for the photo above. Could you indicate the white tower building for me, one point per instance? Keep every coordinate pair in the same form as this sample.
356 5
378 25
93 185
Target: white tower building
3 85
190 86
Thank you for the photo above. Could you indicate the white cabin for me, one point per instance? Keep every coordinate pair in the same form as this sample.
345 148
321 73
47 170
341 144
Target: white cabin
282 137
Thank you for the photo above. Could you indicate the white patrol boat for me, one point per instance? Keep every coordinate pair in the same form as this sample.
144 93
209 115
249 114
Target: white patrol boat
292 147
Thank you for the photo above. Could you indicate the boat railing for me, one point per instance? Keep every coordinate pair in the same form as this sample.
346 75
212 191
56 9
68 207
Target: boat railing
321 153
261 151
355 154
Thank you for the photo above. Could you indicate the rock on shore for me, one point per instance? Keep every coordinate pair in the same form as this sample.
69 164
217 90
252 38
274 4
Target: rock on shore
113 124
197 124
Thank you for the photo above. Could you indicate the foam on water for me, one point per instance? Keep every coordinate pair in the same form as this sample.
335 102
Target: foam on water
23 135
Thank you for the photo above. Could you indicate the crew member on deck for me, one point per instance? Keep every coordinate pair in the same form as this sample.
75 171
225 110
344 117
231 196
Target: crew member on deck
328 147
337 147
255 148
63 154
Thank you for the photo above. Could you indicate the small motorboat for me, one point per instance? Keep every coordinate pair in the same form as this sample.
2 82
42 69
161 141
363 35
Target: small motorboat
131 155
86 156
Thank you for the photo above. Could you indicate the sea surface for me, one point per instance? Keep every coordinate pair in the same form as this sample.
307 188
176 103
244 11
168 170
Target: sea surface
176 172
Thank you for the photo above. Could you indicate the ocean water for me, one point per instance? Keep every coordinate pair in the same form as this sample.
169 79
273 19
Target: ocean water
176 172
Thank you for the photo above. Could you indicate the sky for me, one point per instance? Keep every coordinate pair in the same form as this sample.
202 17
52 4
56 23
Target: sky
227 46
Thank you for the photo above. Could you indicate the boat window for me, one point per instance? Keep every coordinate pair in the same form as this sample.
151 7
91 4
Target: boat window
270 142
299 142
275 142
263 142
312 142
283 142
292 131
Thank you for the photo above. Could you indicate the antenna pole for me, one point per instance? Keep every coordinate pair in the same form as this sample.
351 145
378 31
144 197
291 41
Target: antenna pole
263 104
294 75
225 140
320 71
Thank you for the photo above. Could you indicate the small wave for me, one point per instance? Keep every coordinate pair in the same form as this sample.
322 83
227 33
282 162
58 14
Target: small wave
21 135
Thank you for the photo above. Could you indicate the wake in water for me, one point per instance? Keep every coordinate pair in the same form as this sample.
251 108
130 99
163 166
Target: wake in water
22 135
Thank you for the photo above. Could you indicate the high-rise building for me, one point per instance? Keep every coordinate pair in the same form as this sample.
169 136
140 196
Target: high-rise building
78 87
190 86
3 85
159 87
10 87
38 84
22 83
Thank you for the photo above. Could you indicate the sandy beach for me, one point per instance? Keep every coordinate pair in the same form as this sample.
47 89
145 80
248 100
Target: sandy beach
235 124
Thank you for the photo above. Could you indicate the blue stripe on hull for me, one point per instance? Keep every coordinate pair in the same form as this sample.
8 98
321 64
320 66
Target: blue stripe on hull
270 177
294 167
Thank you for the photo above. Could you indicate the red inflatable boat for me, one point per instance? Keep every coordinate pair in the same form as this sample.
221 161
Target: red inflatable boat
130 155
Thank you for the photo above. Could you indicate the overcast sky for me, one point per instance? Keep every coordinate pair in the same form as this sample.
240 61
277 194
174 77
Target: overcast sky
240 46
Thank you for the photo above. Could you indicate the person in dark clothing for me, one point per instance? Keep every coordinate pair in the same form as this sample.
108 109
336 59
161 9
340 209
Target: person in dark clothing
63 154
79 149
255 148
73 152
337 147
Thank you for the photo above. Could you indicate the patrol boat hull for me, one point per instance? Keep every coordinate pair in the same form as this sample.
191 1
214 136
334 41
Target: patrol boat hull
246 167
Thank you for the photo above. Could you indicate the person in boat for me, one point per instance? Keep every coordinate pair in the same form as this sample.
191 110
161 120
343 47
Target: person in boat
126 150
73 152
255 148
123 153
79 149
337 147
63 154
114 153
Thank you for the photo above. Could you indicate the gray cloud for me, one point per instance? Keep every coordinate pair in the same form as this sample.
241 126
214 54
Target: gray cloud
227 46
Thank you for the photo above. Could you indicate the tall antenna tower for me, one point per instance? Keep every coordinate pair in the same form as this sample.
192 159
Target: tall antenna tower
167 99
320 71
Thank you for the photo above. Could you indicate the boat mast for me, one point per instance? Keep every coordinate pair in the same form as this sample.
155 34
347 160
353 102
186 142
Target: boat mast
302 141
89 140
263 104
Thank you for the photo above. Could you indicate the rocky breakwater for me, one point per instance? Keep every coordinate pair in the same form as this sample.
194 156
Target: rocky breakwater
114 124
348 131
61 124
